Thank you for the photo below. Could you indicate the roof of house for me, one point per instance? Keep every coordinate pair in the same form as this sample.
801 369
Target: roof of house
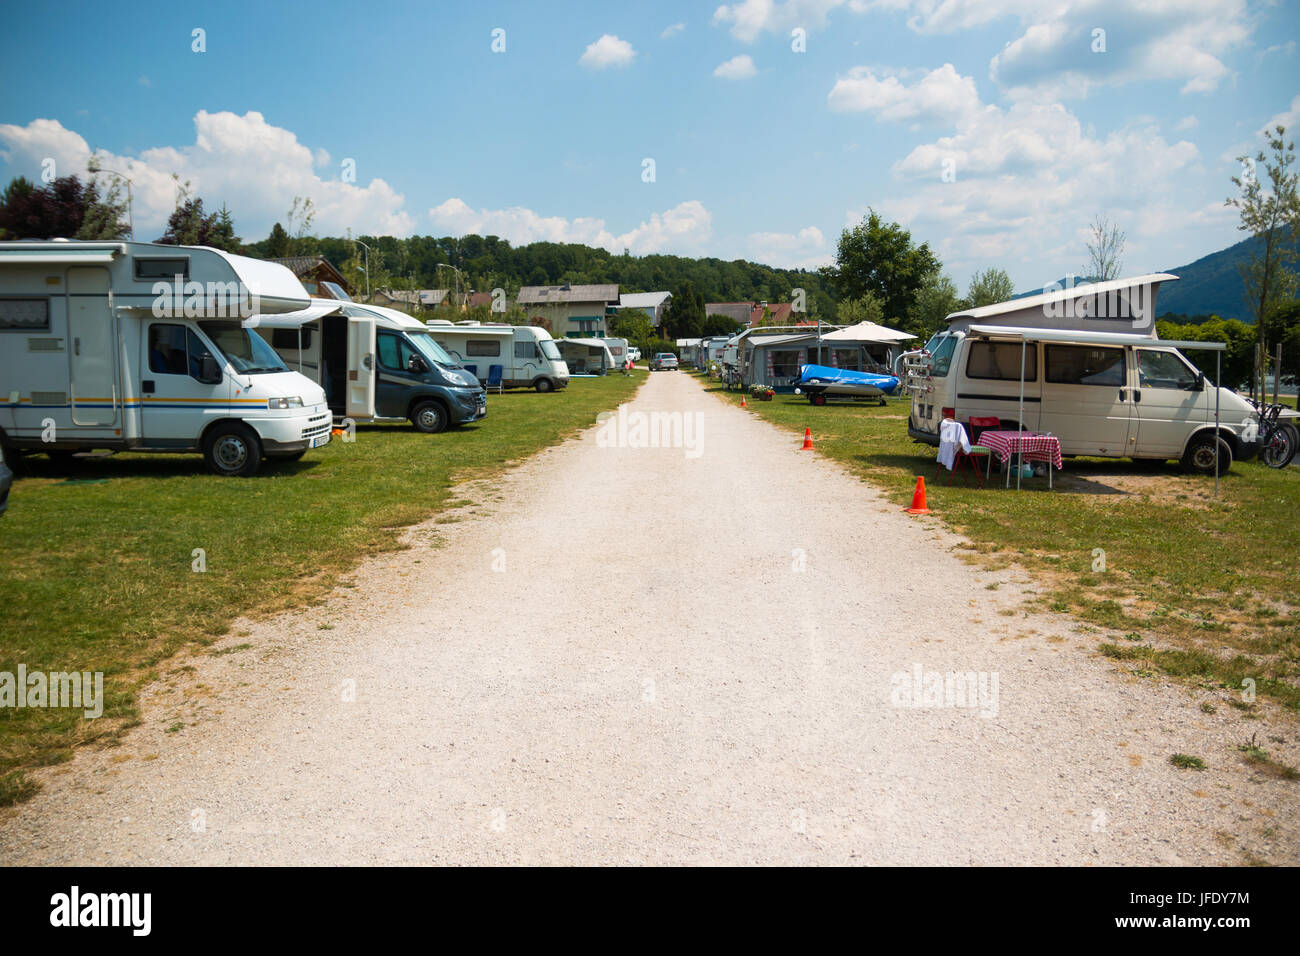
643 300
557 294
308 265
733 310
477 299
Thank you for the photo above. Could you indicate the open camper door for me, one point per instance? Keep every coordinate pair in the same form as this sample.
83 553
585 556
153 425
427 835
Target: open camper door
361 368
92 342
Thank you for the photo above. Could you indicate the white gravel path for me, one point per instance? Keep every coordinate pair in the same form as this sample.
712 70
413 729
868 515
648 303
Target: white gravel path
653 679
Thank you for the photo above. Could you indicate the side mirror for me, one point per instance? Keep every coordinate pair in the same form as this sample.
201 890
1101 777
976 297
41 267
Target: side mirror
1200 382
209 370
416 365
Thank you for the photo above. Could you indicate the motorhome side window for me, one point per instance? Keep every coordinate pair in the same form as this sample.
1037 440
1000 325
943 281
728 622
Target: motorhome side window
526 350
485 349
149 270
175 350
1001 361
25 315
1085 365
1164 370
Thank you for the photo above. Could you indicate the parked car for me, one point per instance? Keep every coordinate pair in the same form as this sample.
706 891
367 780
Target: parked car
634 353
6 479
663 361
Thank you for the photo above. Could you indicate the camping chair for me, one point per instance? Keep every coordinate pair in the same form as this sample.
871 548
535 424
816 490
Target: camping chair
978 426
964 451
472 369
494 379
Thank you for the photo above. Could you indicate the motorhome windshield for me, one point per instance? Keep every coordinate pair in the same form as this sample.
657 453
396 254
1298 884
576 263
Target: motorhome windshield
550 350
432 350
245 350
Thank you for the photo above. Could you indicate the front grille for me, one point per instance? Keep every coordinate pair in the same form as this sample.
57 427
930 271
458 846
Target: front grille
317 425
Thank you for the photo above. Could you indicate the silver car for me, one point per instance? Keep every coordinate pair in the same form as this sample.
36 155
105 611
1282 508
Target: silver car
663 361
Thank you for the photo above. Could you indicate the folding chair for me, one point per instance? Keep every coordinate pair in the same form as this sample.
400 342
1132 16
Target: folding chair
978 426
494 379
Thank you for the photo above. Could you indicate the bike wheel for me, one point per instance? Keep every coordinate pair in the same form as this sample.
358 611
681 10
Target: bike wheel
1279 449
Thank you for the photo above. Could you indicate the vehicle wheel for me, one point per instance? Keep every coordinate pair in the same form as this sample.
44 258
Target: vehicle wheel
1279 450
543 385
1198 459
817 399
429 417
290 456
232 450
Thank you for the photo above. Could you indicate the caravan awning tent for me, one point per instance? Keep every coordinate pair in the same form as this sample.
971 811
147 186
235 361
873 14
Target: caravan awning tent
585 356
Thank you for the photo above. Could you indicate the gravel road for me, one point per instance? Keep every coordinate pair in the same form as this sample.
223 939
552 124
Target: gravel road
665 655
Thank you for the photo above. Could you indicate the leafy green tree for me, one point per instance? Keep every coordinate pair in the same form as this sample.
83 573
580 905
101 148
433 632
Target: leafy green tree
989 287
684 317
1282 324
1238 336
880 257
1271 213
719 325
188 225
67 208
865 308
279 244
935 301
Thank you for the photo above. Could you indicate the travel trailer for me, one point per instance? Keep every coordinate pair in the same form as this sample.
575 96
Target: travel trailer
526 353
618 351
375 364
586 356
1092 372
134 346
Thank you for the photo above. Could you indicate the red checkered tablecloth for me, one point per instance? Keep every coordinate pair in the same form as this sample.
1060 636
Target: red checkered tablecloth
1033 446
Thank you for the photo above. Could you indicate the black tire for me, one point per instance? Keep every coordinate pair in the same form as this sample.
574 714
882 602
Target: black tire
818 399
1279 449
232 450
1198 459
429 417
544 385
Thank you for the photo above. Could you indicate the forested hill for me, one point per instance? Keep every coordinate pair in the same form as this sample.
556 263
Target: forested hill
1211 285
488 262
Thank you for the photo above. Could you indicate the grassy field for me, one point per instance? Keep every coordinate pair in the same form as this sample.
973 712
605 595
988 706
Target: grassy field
96 558
1202 588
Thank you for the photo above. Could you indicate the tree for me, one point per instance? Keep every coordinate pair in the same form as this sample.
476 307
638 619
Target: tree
684 317
1105 249
719 325
1271 214
301 215
278 244
935 301
188 225
989 287
1282 324
865 308
67 208
1238 357
879 257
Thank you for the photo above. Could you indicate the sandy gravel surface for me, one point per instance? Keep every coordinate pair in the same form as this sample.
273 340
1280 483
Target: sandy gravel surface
642 655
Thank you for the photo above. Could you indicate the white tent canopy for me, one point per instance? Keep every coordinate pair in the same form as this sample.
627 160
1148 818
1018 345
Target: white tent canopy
867 332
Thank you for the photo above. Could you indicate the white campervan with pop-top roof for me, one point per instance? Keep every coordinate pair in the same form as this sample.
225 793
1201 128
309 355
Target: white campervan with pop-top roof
135 346
1084 364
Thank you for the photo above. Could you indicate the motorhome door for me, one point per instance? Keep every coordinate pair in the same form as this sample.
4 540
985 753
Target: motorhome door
92 352
361 368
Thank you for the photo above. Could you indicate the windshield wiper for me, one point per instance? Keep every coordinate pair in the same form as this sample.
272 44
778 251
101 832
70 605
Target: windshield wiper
263 368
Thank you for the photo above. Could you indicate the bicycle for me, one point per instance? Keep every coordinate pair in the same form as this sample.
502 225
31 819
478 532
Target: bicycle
1278 440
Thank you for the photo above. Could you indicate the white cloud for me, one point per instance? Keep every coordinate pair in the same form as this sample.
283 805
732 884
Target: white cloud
941 94
1187 122
1289 117
682 228
737 68
145 81
805 249
608 51
672 30
241 161
749 18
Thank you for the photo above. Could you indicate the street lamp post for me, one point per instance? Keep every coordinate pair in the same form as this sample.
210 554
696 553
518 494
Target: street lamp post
456 295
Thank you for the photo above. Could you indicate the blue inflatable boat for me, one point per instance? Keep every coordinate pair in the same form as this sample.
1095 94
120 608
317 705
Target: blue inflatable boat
821 382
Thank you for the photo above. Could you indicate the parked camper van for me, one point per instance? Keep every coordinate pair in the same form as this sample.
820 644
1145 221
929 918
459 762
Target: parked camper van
526 353
1095 375
137 346
375 364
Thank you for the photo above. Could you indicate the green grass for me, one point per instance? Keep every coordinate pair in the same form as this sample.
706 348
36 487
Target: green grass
1204 588
1187 762
97 577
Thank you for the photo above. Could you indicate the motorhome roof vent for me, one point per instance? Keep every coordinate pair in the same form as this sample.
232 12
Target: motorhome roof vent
35 344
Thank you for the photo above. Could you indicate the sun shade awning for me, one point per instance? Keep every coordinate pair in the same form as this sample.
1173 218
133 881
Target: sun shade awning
292 320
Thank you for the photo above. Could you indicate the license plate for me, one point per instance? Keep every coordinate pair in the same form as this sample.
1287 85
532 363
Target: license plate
320 440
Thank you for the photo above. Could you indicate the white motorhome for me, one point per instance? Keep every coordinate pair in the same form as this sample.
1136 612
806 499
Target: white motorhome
135 346
526 353
375 364
1092 372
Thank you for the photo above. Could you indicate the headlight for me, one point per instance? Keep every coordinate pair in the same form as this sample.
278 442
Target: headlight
291 402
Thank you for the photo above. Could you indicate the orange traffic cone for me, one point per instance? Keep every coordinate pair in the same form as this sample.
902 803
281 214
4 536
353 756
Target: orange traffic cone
918 498
742 401
807 440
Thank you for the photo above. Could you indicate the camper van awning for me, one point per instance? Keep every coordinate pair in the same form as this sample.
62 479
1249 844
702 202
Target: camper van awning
292 320
1094 338
54 255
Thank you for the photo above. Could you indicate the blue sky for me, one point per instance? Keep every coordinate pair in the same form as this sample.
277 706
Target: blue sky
760 151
